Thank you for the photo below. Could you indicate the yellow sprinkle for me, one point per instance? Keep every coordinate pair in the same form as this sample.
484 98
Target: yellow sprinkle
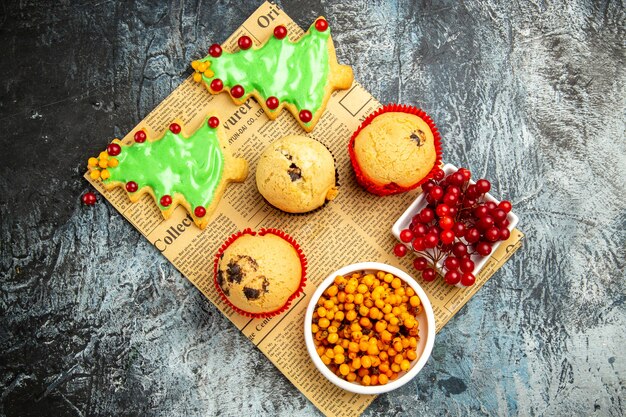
194 64
208 73
103 163
92 162
103 155
113 162
105 174
95 174
203 66
197 77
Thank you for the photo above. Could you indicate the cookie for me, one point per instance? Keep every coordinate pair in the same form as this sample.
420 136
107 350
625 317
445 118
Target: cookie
296 174
299 76
175 170
258 274
395 150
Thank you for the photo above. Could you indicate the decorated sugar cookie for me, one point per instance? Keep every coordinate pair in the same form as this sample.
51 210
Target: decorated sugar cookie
299 76
176 170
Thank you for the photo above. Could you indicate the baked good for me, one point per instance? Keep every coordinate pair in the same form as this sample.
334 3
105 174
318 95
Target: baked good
395 151
299 76
258 274
296 174
176 170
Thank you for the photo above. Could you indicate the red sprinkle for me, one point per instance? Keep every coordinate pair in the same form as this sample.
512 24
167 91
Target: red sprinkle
244 42
175 128
321 25
140 136
114 149
213 122
199 211
272 102
217 85
131 186
237 91
280 32
166 200
89 199
215 50
306 116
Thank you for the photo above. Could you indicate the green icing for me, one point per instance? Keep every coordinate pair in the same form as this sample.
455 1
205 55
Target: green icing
174 165
295 73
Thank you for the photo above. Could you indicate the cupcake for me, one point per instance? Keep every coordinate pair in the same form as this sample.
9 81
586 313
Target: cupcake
296 174
395 150
258 274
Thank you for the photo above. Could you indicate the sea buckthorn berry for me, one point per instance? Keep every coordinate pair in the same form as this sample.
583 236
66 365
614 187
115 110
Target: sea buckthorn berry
105 174
103 163
280 32
95 174
113 162
92 162
197 77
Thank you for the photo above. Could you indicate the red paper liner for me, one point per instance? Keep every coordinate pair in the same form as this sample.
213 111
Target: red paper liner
262 232
393 188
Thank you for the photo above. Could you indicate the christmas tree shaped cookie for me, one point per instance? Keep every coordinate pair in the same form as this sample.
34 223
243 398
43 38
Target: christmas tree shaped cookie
176 170
299 76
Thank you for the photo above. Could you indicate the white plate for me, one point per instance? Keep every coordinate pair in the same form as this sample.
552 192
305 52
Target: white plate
420 202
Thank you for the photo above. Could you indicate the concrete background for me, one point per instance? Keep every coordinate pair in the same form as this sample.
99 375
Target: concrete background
94 322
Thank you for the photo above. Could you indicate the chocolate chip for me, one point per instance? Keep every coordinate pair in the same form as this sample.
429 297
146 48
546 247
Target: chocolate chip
251 293
294 172
234 272
220 282
418 137
286 155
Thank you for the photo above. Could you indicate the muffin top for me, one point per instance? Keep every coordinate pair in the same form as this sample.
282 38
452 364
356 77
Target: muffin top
258 274
296 174
397 148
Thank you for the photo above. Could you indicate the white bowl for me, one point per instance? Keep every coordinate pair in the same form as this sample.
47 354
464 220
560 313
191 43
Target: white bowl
426 320
420 202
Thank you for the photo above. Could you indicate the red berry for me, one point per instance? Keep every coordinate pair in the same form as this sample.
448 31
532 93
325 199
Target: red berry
217 85
456 178
442 210
399 250
498 215
466 265
431 240
468 279
438 174
426 187
429 274
114 149
131 186
459 229
305 116
452 212
472 235
199 211
481 211
491 206
175 128
492 234
140 136
271 103
215 50
420 230
406 235
451 263
446 223
483 186
468 202
504 233
427 215
321 25
505 205
418 244
237 91
472 191
467 175
214 122
420 263
244 42
447 237
459 249
504 223
454 190
166 200
436 193
452 277
483 248
450 199
280 32
485 223
89 199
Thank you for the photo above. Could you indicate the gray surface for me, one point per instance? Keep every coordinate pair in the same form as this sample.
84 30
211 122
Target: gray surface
95 322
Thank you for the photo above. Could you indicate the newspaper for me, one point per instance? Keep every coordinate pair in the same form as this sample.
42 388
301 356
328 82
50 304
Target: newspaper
355 227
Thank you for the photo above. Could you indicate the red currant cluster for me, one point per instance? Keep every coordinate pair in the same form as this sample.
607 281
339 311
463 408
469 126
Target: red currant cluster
456 224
